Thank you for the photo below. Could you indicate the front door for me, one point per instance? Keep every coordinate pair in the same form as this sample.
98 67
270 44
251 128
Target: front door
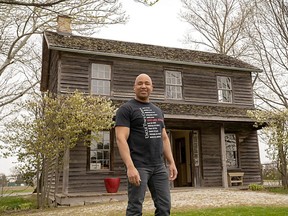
186 152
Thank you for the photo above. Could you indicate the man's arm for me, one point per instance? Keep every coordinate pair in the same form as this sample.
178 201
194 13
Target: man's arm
168 155
122 134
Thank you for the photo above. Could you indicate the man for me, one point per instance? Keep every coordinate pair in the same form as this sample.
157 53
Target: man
142 141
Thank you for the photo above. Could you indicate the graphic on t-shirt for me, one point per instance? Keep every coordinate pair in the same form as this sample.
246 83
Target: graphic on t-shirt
151 123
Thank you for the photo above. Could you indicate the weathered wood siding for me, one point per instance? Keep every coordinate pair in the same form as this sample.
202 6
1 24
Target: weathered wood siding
69 72
199 84
53 72
211 156
250 158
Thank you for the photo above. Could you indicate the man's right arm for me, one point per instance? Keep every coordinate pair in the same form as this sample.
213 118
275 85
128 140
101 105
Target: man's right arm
122 134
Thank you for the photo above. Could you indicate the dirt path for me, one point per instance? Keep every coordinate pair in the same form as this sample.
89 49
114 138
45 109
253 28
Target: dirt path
181 199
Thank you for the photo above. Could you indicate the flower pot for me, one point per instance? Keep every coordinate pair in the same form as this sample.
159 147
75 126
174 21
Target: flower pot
112 184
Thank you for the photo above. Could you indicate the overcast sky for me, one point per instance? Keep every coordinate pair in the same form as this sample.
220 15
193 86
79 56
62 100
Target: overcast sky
156 25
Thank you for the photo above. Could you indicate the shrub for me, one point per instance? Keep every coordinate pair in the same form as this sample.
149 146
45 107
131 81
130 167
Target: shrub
255 187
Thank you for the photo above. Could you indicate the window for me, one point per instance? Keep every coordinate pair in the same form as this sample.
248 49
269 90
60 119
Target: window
195 146
231 151
100 152
100 79
224 87
173 84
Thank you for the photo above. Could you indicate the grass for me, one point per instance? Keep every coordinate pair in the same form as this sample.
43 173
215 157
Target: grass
235 211
278 190
17 203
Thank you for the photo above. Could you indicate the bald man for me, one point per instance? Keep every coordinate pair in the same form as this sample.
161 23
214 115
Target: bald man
143 144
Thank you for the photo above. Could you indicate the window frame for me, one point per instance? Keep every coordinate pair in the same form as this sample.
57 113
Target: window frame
100 77
221 90
236 154
99 166
173 85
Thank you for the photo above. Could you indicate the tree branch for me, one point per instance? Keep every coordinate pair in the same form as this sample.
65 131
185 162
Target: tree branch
9 2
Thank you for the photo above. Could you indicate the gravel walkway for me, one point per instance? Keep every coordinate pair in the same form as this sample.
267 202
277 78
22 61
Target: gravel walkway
181 199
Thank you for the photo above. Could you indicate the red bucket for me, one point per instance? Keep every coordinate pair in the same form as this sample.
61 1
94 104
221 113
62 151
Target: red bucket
112 184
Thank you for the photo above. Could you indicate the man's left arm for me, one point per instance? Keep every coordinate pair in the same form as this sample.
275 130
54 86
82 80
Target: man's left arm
168 155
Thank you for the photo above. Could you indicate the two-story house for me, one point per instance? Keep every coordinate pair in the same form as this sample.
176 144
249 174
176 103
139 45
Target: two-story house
204 96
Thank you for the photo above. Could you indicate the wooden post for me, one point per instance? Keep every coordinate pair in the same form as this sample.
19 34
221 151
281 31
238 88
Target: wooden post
66 171
223 157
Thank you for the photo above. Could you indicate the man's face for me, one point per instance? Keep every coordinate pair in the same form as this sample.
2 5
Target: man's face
143 87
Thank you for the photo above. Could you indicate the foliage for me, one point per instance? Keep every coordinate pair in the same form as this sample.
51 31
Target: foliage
17 203
255 187
276 130
270 172
52 126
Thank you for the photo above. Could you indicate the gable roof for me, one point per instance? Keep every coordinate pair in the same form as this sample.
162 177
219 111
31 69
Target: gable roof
97 46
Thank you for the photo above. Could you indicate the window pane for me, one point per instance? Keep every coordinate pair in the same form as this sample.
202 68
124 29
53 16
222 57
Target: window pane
100 87
101 71
173 92
173 84
231 150
173 78
224 89
100 152
224 83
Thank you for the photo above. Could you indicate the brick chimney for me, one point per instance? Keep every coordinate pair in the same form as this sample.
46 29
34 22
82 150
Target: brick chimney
64 25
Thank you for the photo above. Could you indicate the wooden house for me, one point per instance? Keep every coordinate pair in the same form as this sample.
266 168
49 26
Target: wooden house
204 96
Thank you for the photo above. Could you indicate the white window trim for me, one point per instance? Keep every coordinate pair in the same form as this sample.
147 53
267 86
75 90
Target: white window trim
230 90
173 85
100 79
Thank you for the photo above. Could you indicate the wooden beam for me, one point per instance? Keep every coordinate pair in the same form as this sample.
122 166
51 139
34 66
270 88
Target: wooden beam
223 157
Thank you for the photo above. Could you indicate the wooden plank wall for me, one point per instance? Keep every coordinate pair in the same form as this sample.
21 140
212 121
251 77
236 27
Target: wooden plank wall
199 86
53 72
250 158
211 156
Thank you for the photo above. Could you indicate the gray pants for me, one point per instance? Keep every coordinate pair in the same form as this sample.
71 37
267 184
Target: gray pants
156 178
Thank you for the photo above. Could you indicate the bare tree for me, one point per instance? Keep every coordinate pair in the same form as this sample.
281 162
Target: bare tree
21 24
268 33
217 24
55 2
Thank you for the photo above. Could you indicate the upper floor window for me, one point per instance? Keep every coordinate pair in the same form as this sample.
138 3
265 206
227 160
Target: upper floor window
100 152
224 86
173 81
231 150
100 79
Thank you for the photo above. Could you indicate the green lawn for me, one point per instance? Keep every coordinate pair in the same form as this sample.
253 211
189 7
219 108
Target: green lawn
237 211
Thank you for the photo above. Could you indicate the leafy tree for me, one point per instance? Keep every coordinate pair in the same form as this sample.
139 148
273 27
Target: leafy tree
276 130
41 139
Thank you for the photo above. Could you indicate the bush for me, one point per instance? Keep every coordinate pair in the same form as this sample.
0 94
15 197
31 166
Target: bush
17 203
256 187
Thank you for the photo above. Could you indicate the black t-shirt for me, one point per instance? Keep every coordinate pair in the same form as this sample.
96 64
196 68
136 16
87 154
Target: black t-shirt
146 122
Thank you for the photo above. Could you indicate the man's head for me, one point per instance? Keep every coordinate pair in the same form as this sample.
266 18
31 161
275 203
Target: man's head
143 87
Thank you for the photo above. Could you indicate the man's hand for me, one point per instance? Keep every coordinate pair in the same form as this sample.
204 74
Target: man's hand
133 176
172 172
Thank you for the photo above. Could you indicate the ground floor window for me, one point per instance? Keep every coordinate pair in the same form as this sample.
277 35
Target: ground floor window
100 152
231 150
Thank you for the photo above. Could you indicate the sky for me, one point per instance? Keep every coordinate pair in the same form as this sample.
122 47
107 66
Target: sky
156 25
